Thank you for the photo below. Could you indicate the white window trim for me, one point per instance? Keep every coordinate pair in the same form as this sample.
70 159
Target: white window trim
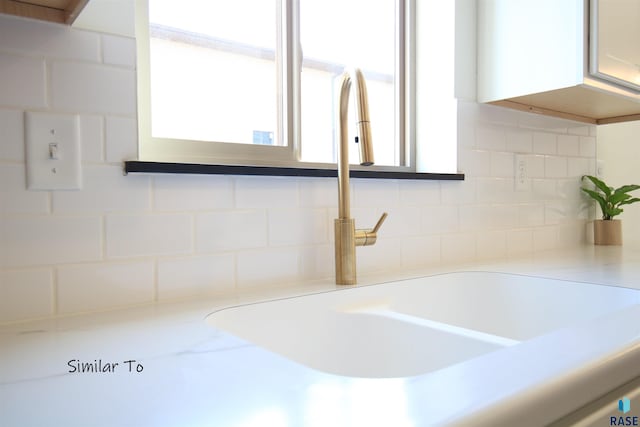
422 154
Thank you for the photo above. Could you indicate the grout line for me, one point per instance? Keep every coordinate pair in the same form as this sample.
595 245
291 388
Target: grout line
54 292
156 284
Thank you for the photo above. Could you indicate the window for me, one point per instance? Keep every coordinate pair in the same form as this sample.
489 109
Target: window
254 81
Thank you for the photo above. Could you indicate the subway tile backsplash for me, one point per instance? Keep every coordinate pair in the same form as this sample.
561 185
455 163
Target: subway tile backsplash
138 239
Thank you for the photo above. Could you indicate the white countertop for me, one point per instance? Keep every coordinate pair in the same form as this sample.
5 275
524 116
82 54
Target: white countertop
194 375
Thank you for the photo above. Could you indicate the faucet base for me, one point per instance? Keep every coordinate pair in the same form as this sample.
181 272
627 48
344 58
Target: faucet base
345 252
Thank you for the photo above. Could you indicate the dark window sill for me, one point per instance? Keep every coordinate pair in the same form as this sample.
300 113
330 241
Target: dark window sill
135 166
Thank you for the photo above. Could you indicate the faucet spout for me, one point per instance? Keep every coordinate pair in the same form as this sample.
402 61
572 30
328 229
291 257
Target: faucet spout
356 78
346 235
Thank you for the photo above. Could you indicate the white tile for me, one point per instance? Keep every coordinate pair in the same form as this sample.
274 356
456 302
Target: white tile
383 256
440 219
568 145
555 167
492 114
272 267
298 226
491 138
531 215
542 123
400 222
519 242
374 192
145 235
318 192
121 136
504 216
544 189
578 166
519 141
535 166
483 217
93 88
420 251
475 217
200 275
475 163
555 213
25 294
30 92
14 197
458 192
266 192
92 138
545 239
419 193
317 262
37 240
467 112
118 50
192 192
105 189
491 244
231 230
458 248
573 234
545 143
569 188
581 130
495 190
93 287
502 165
588 146
12 135
45 39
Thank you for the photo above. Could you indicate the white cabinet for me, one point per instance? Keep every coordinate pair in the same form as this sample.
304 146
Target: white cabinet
533 55
614 53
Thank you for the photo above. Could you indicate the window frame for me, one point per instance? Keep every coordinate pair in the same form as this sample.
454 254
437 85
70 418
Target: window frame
289 62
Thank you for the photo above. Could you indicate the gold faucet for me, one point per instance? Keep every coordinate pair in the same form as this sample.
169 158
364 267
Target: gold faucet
346 235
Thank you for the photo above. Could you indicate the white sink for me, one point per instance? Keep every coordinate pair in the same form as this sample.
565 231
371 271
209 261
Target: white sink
412 327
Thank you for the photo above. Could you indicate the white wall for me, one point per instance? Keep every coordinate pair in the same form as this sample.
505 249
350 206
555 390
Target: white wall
146 238
619 154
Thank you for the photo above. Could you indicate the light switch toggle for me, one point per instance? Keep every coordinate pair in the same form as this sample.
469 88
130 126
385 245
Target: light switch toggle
53 151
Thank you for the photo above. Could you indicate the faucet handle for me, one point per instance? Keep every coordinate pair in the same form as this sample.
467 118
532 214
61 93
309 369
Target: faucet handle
369 237
379 223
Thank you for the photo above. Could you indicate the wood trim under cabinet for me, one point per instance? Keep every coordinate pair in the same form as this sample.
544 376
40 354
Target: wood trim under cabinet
620 119
42 12
73 9
544 111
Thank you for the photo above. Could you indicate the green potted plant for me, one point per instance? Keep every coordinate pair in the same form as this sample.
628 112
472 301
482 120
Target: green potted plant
608 231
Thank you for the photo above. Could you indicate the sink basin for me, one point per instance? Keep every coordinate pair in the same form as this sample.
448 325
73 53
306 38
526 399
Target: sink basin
415 326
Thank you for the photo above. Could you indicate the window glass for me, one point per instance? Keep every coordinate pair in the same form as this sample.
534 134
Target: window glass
339 33
213 70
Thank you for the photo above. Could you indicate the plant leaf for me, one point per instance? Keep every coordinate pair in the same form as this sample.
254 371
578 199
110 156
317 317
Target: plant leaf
616 199
629 201
598 198
615 211
627 188
599 184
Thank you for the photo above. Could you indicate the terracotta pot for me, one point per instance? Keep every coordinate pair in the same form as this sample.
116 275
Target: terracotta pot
607 232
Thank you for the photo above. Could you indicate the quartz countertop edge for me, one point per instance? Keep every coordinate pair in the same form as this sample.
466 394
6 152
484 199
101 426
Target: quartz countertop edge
194 374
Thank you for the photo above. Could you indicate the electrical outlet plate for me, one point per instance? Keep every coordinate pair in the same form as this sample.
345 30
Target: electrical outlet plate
522 180
53 151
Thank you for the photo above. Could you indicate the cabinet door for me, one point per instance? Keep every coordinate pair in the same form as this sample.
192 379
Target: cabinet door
615 42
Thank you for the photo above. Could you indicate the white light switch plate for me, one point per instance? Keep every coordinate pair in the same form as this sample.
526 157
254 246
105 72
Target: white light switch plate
53 151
